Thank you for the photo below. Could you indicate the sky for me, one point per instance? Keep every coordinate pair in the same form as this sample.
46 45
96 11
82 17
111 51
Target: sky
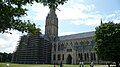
75 16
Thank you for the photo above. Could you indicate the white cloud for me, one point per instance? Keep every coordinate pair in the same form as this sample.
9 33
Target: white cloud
71 10
68 11
116 21
91 19
86 22
83 7
37 12
115 17
75 11
8 41
111 15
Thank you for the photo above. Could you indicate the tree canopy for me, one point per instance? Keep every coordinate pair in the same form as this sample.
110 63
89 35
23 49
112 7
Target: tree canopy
107 38
5 57
12 10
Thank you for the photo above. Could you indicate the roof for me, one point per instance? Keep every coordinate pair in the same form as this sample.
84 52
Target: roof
77 36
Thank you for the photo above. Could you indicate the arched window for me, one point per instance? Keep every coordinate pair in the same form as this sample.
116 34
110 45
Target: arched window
81 43
71 43
76 43
81 56
87 56
58 47
66 43
54 57
87 42
62 45
62 56
59 57
94 56
54 47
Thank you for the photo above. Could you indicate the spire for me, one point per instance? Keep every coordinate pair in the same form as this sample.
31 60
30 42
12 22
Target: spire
52 12
101 21
51 26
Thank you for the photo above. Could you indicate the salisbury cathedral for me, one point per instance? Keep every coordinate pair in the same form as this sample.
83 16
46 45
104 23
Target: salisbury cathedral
51 48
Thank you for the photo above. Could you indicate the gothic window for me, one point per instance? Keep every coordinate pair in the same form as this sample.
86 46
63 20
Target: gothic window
81 56
94 56
85 56
76 43
81 43
63 57
71 43
58 47
54 57
62 45
54 47
66 43
58 56
55 39
87 42
91 55
84 42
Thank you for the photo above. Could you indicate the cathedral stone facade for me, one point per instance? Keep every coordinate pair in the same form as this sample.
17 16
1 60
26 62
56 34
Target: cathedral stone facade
72 49
51 48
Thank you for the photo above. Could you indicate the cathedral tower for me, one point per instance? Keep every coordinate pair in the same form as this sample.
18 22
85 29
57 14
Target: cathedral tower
51 30
51 27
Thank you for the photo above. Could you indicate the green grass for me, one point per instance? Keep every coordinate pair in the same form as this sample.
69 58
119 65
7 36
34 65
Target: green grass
37 65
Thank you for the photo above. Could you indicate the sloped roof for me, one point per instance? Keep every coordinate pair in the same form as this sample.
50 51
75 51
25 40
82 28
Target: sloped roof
77 36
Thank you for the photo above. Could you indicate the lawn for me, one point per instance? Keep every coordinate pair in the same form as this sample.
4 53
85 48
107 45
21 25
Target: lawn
37 65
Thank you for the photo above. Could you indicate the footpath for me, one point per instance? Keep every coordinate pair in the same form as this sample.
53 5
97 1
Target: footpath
103 65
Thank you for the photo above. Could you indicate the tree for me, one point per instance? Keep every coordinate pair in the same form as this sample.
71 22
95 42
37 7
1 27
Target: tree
5 57
107 38
12 10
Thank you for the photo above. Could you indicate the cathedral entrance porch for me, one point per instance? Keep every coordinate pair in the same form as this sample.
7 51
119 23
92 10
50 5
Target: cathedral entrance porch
69 59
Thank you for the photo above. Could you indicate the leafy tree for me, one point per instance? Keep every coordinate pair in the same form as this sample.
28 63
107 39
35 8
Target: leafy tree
12 10
107 38
5 57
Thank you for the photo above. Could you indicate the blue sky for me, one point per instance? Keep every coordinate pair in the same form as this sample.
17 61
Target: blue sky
75 16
